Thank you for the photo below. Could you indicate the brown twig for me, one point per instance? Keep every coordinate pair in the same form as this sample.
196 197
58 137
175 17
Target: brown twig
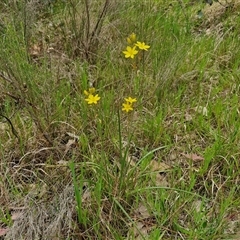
12 127
88 20
98 25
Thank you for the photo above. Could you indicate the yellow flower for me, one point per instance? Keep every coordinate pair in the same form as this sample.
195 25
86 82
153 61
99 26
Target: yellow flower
131 39
90 91
127 107
130 100
130 52
92 99
142 45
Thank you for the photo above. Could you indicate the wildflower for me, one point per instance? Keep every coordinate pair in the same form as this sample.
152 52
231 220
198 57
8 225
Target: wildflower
90 91
130 100
131 39
127 107
142 45
92 99
130 52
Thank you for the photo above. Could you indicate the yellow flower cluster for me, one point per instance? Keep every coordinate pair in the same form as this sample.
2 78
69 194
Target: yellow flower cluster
130 52
128 105
91 98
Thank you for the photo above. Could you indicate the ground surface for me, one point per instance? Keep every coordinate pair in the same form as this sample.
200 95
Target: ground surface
168 168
